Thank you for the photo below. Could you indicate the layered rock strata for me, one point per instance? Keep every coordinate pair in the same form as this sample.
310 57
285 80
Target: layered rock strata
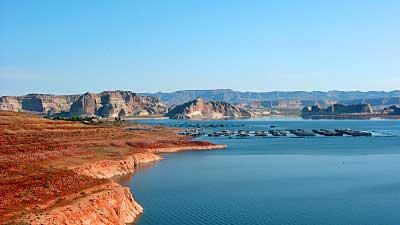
199 109
106 204
337 109
111 168
104 104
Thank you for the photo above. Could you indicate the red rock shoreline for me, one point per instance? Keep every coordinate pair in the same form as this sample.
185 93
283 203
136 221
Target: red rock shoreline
110 203
57 172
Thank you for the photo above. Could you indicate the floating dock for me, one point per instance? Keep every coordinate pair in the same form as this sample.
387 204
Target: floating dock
196 132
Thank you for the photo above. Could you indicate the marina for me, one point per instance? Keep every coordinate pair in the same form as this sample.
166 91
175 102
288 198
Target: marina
196 132
272 172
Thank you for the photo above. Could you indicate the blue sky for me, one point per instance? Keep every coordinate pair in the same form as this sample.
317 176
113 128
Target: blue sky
148 46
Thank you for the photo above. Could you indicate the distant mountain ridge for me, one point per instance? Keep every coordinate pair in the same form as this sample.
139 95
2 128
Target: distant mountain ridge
127 103
235 97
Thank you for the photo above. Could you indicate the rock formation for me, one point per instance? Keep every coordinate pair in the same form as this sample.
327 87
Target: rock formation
104 104
392 110
198 109
106 204
336 109
111 168
375 98
40 103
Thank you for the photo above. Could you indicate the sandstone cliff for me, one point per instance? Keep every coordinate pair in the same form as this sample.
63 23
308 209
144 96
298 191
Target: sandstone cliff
104 104
337 109
198 109
106 204
111 168
41 103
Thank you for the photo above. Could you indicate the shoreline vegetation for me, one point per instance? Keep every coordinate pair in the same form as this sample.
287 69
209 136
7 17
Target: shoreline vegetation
59 172
153 117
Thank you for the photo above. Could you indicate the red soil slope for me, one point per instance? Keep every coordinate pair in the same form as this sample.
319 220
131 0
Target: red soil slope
46 165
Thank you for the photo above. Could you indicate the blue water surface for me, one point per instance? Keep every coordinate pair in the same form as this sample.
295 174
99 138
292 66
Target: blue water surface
282 180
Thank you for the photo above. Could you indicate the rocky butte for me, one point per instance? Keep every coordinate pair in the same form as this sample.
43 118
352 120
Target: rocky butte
337 111
199 109
104 104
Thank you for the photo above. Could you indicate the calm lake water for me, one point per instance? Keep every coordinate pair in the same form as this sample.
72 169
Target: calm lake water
282 180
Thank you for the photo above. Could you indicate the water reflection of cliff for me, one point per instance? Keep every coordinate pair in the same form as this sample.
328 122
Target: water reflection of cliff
126 179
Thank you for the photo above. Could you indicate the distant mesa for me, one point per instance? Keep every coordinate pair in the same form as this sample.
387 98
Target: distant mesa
335 109
199 109
105 104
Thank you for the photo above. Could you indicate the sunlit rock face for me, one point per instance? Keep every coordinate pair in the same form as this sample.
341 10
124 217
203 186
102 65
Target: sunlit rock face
104 104
199 109
41 103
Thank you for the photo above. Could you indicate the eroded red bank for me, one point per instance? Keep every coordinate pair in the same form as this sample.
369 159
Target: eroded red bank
57 172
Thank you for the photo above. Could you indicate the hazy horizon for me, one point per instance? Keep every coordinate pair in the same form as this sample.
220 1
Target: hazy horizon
74 47
139 92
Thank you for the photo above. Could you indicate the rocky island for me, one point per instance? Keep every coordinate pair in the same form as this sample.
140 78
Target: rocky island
57 172
199 109
354 111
